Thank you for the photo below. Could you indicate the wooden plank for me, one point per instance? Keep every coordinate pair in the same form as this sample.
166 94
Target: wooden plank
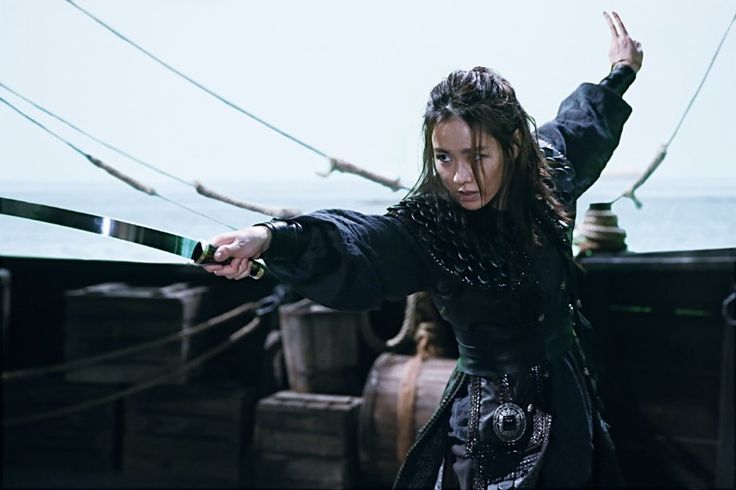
221 401
95 309
667 290
305 443
177 303
278 470
80 348
21 399
61 438
664 341
135 328
214 473
97 461
124 372
308 413
328 423
183 426
193 449
667 463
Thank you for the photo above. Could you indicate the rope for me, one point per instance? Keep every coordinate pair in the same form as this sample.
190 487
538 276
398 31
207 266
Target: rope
275 212
78 363
349 168
407 399
187 366
94 138
662 151
406 332
150 166
196 83
66 142
112 171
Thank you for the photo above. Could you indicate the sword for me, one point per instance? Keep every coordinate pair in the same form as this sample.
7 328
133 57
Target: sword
198 251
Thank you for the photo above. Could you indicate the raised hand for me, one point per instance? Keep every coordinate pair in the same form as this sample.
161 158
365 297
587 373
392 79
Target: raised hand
623 49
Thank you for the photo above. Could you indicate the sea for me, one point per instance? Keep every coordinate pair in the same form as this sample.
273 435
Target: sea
677 214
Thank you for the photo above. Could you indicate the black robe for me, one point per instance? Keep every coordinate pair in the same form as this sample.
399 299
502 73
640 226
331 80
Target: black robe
354 261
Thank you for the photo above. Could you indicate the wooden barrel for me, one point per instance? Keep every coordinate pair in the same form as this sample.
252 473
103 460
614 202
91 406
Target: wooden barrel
379 431
321 348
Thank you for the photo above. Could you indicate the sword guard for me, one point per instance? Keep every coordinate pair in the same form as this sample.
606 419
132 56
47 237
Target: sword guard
204 253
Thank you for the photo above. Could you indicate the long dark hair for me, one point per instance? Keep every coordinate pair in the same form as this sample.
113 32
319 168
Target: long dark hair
488 103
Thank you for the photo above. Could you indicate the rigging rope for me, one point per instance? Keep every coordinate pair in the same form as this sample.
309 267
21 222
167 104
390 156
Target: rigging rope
194 82
282 213
662 151
351 168
187 366
201 189
78 363
112 171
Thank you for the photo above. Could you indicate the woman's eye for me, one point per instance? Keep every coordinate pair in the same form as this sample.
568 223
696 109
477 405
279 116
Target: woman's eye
442 157
480 156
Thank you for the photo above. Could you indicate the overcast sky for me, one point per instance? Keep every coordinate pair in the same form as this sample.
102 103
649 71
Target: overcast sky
350 78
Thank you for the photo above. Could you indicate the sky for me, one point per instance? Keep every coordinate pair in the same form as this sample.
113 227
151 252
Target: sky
349 78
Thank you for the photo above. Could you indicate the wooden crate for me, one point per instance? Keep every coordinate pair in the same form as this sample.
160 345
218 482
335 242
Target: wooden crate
197 431
112 316
321 348
88 440
306 441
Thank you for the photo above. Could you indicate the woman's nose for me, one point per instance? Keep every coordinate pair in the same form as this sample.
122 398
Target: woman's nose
463 173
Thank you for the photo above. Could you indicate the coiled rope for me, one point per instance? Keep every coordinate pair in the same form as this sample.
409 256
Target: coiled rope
342 167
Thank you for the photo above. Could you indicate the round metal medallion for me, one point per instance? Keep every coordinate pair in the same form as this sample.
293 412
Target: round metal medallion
509 422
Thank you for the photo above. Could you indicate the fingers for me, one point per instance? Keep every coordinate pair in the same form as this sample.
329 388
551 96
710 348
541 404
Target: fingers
225 251
618 29
621 27
222 239
245 272
212 268
614 33
238 268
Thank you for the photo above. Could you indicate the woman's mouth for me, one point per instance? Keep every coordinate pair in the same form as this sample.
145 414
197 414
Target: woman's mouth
467 196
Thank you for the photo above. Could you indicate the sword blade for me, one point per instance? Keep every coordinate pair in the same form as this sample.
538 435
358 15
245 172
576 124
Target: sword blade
200 252
102 225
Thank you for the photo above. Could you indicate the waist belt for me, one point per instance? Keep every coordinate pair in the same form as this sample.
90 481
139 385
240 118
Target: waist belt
492 350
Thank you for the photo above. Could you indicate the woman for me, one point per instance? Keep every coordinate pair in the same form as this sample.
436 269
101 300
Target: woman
486 231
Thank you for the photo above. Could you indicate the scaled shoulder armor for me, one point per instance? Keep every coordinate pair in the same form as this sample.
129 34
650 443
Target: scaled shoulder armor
562 174
443 233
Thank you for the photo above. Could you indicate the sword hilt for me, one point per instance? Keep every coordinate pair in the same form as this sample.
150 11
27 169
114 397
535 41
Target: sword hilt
204 253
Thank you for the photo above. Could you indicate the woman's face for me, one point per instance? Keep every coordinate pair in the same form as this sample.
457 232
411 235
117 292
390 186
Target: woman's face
454 154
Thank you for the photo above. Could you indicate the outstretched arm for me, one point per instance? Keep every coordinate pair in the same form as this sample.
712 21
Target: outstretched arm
341 259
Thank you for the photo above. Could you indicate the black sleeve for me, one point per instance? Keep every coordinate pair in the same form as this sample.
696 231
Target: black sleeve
620 79
587 130
349 261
